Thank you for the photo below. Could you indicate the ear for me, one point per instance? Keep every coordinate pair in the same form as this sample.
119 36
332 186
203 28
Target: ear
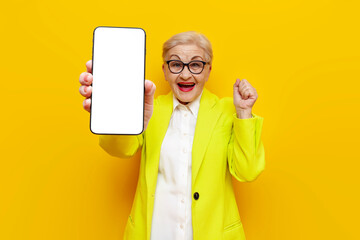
210 66
164 70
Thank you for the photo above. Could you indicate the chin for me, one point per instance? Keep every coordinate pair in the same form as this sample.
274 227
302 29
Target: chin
187 99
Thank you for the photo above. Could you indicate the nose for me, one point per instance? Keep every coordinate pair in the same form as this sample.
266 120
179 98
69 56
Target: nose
185 74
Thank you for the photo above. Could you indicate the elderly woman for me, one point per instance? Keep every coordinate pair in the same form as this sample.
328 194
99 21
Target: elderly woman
192 145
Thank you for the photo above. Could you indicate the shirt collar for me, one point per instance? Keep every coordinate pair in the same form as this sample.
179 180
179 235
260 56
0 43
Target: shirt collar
193 106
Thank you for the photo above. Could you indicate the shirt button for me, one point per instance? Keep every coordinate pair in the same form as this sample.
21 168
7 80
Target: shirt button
196 196
184 150
185 114
182 226
182 200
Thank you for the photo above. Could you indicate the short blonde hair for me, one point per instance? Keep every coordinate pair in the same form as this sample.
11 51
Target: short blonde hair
190 37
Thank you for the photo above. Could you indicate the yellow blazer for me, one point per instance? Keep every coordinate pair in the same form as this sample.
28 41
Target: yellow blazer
223 146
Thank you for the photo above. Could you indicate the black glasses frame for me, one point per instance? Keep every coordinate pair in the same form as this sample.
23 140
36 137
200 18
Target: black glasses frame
185 64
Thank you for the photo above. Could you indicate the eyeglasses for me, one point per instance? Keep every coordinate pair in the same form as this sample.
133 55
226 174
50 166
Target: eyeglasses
177 66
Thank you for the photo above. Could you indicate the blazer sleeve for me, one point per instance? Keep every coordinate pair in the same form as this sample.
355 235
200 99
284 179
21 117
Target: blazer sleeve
246 154
123 146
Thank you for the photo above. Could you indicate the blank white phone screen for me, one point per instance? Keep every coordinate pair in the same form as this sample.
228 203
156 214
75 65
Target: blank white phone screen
117 101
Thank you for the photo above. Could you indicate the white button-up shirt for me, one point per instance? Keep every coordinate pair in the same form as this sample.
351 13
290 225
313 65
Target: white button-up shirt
171 218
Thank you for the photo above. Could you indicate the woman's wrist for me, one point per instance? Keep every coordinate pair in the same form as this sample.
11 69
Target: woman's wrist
243 113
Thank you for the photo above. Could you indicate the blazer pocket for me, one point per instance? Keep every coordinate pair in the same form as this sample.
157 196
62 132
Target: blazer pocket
233 225
234 231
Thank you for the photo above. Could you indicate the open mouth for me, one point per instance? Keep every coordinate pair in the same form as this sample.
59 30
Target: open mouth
186 87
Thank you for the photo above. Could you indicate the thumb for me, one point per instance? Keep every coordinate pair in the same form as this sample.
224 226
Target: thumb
150 88
149 93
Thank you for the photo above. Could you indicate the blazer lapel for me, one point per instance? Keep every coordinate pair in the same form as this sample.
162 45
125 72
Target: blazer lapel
206 121
156 133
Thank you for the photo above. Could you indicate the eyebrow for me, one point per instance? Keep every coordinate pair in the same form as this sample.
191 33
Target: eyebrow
190 59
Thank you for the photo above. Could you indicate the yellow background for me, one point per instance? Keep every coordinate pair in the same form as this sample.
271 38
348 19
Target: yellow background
303 57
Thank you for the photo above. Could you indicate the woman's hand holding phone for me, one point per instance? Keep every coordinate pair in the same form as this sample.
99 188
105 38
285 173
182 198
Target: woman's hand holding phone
86 89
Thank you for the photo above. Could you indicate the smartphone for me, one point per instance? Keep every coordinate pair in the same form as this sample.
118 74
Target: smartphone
118 68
